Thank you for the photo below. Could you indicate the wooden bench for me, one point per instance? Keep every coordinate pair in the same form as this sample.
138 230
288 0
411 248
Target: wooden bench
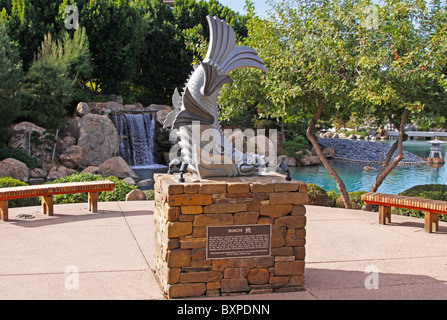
47 191
431 208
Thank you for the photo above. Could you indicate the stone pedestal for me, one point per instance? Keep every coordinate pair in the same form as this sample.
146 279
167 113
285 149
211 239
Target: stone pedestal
186 211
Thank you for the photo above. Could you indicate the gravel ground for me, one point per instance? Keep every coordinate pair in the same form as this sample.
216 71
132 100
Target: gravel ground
364 151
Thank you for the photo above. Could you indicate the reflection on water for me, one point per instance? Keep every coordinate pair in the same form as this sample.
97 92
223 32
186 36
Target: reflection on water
355 179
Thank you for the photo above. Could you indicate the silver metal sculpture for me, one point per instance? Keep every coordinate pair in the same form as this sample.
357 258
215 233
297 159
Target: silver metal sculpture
195 111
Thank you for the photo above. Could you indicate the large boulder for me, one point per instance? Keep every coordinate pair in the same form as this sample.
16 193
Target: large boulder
30 137
38 173
117 167
82 109
91 170
98 139
72 157
135 195
15 169
70 128
59 172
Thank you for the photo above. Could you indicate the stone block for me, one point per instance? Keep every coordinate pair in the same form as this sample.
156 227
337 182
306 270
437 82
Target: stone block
296 198
291 222
287 186
203 220
179 258
241 218
178 200
186 290
177 229
234 285
292 268
191 187
278 236
276 211
236 273
299 210
207 276
191 209
258 276
171 213
213 286
219 264
225 208
238 188
262 187
192 243
212 188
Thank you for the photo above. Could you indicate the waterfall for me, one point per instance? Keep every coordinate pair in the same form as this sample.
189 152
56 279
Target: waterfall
136 132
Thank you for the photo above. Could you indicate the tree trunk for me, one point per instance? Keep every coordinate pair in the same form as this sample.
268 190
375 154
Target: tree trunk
387 167
340 185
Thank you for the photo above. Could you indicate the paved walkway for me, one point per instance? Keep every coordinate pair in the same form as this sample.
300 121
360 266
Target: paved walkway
112 251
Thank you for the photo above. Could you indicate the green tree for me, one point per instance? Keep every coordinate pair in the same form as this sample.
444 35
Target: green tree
10 78
164 61
400 68
55 79
324 60
29 22
114 31
308 55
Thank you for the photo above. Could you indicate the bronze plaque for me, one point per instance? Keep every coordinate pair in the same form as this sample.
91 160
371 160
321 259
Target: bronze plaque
238 241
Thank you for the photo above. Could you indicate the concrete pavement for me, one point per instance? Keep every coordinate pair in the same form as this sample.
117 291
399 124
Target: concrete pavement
109 255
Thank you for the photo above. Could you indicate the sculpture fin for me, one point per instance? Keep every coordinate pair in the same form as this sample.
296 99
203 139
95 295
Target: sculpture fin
213 81
177 103
193 112
222 41
240 57
223 53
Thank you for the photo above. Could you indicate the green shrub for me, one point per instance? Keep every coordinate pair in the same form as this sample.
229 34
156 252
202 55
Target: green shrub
150 194
356 200
117 194
429 191
7 182
299 143
317 195
20 155
333 196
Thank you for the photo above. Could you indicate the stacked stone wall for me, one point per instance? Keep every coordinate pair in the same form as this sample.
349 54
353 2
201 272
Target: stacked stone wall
185 210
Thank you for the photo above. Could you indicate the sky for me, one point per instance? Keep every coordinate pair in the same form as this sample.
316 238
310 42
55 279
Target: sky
238 5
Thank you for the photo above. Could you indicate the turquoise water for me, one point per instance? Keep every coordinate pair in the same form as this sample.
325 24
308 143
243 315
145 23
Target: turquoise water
355 179
352 174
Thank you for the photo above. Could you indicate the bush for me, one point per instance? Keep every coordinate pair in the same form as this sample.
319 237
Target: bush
429 191
20 155
333 196
117 194
356 200
291 148
7 182
150 194
317 195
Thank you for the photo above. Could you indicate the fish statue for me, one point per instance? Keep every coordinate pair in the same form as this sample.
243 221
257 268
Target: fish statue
196 116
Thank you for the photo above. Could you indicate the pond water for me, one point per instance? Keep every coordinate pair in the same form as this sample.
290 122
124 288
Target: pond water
356 179
353 175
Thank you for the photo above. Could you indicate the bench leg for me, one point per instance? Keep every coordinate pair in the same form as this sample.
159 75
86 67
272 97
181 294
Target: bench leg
92 202
4 210
384 215
47 205
431 222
